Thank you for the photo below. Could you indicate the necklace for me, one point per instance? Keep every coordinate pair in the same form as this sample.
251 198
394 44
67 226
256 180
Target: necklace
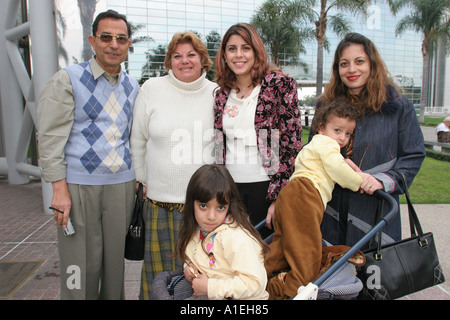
246 92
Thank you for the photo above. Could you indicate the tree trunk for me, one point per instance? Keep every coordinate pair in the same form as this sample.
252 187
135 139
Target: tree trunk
319 76
275 53
321 29
87 10
425 80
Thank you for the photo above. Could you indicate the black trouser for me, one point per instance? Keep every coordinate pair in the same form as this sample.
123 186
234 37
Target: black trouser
253 195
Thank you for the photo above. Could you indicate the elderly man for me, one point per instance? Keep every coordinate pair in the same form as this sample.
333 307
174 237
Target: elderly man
443 130
84 115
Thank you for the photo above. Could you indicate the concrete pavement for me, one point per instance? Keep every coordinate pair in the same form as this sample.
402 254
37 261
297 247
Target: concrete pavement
429 133
27 233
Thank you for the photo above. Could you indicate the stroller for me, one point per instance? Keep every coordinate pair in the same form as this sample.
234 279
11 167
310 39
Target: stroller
313 290
338 282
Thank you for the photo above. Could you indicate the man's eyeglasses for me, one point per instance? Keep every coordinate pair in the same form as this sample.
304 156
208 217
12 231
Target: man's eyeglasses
107 38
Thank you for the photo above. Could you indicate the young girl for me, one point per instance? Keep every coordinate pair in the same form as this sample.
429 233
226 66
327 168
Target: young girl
223 253
295 256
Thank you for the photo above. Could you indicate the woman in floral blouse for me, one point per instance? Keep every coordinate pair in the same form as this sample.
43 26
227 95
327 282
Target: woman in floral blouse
257 125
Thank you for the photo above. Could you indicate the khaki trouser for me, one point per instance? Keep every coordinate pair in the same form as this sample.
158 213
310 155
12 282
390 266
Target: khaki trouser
296 247
92 260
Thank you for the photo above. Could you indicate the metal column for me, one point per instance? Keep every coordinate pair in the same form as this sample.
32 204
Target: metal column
12 101
17 86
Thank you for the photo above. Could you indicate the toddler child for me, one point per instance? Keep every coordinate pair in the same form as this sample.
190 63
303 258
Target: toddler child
295 253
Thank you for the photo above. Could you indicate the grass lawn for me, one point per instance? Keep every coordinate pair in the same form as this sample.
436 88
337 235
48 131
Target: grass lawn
431 184
430 121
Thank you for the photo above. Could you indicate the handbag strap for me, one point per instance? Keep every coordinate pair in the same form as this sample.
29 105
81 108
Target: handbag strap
375 221
140 192
414 223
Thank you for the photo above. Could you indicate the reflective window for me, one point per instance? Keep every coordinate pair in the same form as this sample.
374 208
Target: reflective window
160 19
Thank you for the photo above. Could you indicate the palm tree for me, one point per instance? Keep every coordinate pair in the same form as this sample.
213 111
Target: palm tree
279 23
431 17
213 40
60 33
338 24
154 67
87 10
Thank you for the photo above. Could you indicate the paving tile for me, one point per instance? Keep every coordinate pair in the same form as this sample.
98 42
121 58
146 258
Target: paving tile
27 233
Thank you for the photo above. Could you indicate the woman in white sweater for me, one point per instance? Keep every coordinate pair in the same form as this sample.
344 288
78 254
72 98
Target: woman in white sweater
172 136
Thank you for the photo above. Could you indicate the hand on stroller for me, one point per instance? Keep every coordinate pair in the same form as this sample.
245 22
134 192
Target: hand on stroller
370 184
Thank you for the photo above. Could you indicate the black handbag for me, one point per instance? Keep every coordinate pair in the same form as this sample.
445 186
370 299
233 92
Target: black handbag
135 239
404 267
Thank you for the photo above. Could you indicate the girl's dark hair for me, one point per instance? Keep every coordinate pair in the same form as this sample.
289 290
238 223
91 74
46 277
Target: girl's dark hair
110 14
207 182
340 107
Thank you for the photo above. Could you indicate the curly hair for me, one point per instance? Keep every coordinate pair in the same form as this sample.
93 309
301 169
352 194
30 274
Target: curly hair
197 43
340 107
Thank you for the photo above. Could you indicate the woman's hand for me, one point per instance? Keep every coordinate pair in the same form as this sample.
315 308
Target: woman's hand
369 184
144 190
270 215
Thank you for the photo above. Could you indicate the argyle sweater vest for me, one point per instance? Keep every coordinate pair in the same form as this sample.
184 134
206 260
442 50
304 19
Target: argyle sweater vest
98 149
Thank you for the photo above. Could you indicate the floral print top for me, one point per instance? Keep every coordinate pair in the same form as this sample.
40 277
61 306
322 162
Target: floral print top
231 111
278 128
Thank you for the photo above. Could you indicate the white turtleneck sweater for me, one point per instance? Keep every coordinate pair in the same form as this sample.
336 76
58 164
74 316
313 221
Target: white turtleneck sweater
172 134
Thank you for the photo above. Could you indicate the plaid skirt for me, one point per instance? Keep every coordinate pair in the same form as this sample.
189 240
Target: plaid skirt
162 224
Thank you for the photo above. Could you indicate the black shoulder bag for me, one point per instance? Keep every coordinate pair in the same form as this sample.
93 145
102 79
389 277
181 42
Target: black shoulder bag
404 267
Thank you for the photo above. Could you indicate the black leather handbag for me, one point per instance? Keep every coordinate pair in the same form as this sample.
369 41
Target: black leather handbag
404 267
135 239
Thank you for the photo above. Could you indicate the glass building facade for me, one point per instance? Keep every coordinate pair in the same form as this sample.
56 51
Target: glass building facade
160 19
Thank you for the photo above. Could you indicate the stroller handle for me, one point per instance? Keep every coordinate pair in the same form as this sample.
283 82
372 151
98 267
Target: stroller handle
378 193
260 224
393 211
